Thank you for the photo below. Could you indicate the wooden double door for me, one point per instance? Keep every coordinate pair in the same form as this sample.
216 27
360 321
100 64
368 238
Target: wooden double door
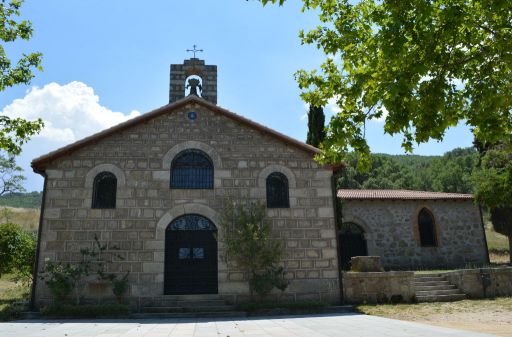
191 256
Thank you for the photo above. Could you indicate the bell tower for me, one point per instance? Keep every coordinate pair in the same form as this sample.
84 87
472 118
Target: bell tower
193 77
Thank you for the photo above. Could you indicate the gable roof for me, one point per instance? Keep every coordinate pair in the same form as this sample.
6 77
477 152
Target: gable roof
38 164
399 195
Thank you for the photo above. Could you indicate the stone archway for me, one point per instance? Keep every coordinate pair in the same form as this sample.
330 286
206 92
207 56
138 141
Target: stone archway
191 256
352 242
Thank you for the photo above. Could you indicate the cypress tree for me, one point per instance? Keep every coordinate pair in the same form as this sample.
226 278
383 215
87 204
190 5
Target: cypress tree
316 126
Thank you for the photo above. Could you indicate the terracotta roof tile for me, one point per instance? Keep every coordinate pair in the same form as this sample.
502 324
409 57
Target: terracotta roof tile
399 194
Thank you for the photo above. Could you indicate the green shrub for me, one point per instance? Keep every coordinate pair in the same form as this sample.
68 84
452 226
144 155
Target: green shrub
85 311
17 251
250 243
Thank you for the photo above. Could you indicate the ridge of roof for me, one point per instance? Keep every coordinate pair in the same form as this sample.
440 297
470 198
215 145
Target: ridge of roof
39 162
371 194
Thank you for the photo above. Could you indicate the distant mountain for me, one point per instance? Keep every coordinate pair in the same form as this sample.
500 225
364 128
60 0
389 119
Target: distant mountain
22 200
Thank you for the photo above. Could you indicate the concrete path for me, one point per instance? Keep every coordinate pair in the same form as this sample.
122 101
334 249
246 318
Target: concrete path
350 325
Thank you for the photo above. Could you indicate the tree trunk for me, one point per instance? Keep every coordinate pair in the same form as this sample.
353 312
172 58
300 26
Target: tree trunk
510 247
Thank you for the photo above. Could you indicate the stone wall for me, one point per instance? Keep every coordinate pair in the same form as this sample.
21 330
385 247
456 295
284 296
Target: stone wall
392 232
378 287
484 282
141 156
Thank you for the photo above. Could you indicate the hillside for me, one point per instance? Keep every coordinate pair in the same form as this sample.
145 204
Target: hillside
22 200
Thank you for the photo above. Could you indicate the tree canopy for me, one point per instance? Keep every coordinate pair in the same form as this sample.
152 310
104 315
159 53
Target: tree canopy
423 65
451 172
16 131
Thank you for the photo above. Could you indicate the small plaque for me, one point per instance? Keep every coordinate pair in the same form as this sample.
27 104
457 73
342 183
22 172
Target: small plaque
192 115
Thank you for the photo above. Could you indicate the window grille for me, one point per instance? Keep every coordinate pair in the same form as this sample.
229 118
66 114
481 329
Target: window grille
104 190
192 169
277 191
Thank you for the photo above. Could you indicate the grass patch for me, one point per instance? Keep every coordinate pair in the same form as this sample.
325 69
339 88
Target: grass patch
13 298
27 218
495 241
291 306
85 311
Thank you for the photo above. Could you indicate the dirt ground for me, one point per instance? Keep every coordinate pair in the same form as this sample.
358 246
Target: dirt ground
488 316
488 321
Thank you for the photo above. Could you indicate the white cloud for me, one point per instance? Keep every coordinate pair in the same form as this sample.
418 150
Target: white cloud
332 106
70 112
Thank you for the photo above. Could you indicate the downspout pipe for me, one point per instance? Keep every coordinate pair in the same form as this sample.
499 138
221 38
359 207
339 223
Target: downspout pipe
334 181
39 234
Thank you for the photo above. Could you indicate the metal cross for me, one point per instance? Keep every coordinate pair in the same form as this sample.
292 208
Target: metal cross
195 50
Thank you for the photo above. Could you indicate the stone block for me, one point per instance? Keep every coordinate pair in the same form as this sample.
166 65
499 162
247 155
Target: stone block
366 264
151 267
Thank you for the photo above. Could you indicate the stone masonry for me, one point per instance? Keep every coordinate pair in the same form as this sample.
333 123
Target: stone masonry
180 72
140 156
391 232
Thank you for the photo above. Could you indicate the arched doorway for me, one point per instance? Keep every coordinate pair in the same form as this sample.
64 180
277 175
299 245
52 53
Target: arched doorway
190 256
352 243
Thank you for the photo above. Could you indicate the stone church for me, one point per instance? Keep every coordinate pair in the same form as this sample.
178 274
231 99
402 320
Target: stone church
156 185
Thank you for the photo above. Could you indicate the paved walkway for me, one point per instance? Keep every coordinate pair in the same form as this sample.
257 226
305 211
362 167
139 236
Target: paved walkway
350 325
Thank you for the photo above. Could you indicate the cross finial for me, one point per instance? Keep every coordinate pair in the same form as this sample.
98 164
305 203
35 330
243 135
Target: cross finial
195 50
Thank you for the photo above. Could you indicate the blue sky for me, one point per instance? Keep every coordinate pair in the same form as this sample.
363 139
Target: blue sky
105 61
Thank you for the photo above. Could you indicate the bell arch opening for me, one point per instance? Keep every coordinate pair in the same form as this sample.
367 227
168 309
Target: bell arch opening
194 86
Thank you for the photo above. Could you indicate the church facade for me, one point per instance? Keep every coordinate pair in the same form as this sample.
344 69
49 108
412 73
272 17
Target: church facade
155 188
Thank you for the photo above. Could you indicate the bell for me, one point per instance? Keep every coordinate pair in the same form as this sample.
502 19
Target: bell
194 84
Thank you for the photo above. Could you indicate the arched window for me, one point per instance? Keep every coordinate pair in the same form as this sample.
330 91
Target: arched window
192 169
427 228
104 190
277 191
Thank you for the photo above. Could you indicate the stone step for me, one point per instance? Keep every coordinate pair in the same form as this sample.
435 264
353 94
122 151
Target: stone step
434 287
441 298
185 304
206 314
428 278
193 297
178 309
429 275
227 314
430 283
438 292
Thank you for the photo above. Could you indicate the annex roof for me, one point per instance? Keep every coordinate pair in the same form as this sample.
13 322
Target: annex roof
38 164
399 195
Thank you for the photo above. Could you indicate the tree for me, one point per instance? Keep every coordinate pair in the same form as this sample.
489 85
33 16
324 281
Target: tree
11 178
316 126
249 243
493 185
14 132
423 65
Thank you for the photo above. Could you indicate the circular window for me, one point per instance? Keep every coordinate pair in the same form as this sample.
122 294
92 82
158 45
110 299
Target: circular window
192 115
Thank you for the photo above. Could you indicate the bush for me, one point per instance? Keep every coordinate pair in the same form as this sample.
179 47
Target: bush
17 251
251 244
85 311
